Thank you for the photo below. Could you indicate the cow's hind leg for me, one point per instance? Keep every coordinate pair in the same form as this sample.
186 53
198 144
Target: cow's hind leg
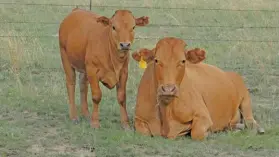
246 111
83 84
235 123
70 84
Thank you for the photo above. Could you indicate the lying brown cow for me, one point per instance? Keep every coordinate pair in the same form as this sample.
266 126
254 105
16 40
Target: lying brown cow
178 94
98 48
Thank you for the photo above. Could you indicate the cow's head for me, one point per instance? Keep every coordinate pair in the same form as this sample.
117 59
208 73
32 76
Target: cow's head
170 58
122 25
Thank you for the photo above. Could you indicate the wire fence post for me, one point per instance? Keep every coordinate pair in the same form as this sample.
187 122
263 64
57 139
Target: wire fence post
90 4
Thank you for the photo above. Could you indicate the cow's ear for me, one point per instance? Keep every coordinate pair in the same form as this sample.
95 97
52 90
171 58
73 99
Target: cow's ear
145 54
195 56
104 20
142 21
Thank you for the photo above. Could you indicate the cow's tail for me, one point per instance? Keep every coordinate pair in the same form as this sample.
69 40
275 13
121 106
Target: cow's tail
245 109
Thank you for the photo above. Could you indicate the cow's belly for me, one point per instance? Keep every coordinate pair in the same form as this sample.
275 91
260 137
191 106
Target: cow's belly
221 100
76 61
222 106
79 67
220 121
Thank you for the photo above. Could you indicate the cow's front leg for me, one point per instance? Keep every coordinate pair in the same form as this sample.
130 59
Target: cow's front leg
200 127
83 85
142 127
96 95
121 97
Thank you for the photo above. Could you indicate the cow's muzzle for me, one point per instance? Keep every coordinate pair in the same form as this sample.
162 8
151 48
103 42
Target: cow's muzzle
168 90
125 46
167 93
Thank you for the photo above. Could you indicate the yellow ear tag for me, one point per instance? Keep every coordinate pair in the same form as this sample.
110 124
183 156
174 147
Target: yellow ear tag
142 63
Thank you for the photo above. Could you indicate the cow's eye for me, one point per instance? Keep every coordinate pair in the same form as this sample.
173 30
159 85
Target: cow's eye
156 60
113 27
181 63
134 27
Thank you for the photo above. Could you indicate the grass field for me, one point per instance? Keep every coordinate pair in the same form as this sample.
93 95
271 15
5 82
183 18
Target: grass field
33 101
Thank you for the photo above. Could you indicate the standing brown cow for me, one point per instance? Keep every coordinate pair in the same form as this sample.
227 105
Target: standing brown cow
98 48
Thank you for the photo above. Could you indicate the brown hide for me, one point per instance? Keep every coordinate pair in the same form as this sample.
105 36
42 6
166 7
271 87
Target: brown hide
208 100
98 48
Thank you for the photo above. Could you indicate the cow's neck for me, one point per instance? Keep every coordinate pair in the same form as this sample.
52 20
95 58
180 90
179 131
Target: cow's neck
116 61
163 110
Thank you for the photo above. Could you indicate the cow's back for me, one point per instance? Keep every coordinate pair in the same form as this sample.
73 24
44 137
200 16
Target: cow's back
74 34
217 90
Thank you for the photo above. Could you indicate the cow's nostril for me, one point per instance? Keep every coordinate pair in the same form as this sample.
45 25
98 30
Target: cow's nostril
173 89
124 45
169 88
163 89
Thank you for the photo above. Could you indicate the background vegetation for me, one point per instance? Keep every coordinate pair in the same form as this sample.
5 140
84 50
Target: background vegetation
239 35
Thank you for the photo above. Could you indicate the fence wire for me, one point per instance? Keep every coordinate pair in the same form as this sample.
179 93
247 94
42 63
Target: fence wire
136 7
89 4
154 25
149 38
270 73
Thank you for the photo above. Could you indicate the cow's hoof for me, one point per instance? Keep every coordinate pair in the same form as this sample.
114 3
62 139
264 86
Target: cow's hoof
260 130
126 127
87 118
95 125
75 121
240 126
171 137
237 131
164 136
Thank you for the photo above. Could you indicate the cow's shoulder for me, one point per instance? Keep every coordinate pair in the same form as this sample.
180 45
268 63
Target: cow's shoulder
191 102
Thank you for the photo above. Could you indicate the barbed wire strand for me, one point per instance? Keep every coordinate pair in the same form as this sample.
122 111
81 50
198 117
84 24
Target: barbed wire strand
137 7
150 25
154 25
147 38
